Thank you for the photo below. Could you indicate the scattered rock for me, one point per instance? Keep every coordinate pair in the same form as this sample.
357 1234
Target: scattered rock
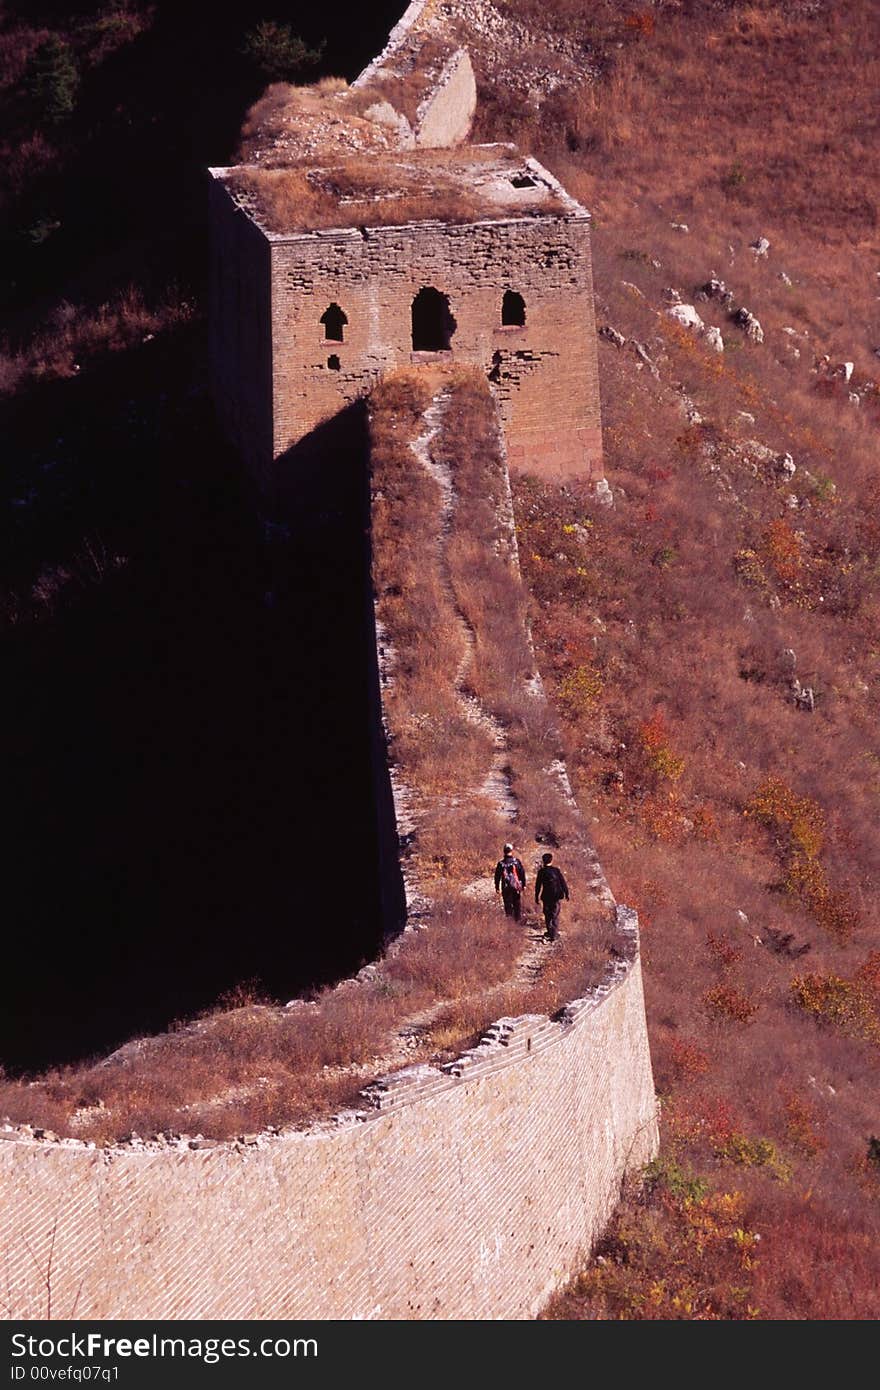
382 113
786 279
753 448
789 657
689 411
714 339
845 370
612 335
604 495
645 358
760 247
803 695
633 289
854 398
716 289
791 500
680 227
746 320
687 316
786 465
671 295
745 417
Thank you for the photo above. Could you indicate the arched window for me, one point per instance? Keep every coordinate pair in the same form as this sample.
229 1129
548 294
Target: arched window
334 321
513 310
432 321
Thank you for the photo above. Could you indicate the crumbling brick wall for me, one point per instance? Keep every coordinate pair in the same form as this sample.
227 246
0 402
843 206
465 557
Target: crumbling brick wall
467 1193
545 372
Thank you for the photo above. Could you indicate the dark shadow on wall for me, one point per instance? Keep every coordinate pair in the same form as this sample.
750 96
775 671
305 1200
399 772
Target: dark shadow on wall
189 739
323 562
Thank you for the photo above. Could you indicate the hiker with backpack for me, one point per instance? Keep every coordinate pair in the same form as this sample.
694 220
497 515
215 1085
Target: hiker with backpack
510 880
550 889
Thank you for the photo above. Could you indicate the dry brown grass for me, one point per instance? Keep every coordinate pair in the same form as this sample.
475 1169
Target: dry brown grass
75 335
289 124
418 186
296 199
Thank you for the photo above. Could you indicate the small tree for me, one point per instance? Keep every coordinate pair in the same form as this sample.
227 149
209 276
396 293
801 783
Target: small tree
54 79
278 52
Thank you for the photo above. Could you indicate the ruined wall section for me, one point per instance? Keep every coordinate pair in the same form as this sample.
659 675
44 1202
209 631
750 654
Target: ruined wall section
545 373
416 14
239 342
467 1192
445 116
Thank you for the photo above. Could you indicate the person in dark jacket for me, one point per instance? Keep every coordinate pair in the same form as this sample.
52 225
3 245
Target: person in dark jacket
508 873
550 889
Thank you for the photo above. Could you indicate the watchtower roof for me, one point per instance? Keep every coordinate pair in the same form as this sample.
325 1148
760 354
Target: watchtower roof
471 183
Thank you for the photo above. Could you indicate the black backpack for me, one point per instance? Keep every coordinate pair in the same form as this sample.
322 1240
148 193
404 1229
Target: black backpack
551 883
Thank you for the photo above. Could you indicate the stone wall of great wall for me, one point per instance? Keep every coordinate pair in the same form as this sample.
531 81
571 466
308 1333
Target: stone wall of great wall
463 1191
544 373
466 1192
548 395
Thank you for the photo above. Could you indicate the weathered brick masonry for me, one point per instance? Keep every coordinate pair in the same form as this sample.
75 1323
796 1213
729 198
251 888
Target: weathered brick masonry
545 372
547 388
474 223
463 1193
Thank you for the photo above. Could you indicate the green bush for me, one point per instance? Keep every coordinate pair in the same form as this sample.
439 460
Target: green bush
278 52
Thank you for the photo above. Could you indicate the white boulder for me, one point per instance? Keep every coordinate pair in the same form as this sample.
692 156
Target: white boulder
687 316
604 495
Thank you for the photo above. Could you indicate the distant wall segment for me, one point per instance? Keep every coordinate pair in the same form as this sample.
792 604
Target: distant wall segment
467 1192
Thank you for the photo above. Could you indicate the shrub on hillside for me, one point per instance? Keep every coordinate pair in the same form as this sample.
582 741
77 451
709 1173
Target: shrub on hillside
279 53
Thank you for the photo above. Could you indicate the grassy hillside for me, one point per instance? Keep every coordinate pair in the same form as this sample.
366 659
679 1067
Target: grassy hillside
683 627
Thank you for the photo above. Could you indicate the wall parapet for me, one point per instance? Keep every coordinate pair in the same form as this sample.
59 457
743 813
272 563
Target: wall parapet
508 1159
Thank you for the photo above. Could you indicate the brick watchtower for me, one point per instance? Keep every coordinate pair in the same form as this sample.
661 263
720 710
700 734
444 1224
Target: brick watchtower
360 234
